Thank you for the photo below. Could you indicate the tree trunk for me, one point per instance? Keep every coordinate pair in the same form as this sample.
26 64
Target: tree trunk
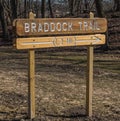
20 9
14 5
37 9
117 5
25 8
99 8
29 4
50 8
70 2
86 6
43 9
3 21
78 7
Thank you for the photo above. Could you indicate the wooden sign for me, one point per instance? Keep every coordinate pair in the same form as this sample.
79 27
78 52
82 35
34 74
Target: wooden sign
61 41
59 32
59 26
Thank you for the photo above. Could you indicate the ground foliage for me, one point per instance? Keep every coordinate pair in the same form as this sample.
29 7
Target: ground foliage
60 85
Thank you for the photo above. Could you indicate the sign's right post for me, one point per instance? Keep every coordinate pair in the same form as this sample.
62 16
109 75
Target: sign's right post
89 80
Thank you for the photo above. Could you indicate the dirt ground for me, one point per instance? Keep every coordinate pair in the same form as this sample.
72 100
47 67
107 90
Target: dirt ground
60 85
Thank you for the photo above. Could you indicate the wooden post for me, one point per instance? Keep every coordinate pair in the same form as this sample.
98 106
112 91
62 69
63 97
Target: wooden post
31 80
89 83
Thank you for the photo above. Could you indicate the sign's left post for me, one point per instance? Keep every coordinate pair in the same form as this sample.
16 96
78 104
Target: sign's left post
31 79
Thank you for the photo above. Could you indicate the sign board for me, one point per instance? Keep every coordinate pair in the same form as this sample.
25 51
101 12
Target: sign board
60 41
59 26
59 32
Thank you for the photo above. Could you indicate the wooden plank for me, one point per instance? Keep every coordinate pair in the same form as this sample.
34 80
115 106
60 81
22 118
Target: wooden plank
89 83
60 26
31 80
61 41
31 84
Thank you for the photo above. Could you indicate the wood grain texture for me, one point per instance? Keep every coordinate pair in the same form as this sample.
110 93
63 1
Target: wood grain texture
89 77
31 84
61 41
31 80
60 26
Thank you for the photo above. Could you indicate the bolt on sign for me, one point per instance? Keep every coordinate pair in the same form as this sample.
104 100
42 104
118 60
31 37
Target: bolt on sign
58 26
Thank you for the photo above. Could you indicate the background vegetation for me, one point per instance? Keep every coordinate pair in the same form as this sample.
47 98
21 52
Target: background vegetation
12 9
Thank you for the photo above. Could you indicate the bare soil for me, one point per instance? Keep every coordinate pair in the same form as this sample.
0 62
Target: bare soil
60 85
